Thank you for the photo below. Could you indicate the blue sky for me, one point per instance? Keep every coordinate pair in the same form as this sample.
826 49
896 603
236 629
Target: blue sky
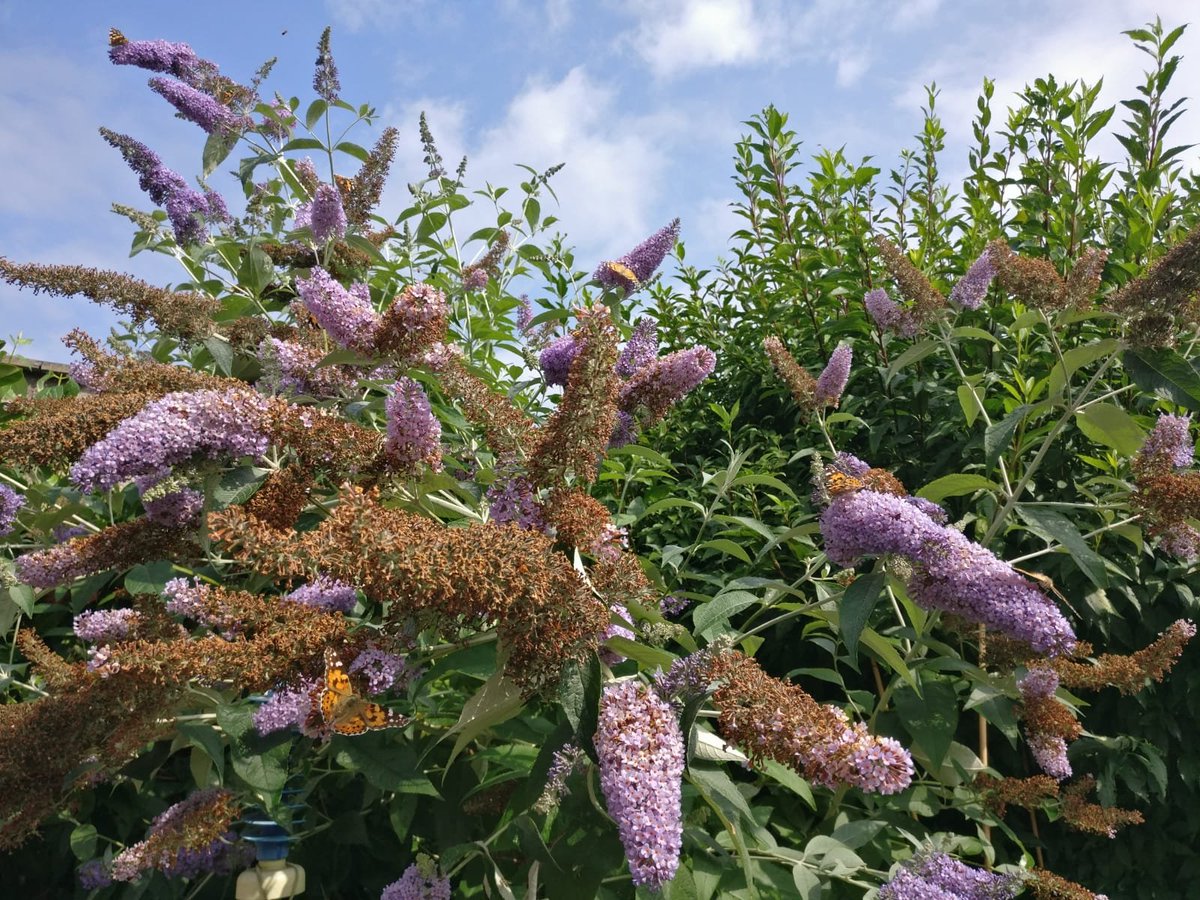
642 99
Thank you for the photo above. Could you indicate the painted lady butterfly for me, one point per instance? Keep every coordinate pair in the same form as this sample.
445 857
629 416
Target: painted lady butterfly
880 480
624 271
343 707
115 38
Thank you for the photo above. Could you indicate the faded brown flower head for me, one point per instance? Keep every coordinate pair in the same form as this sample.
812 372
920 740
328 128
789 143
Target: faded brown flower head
57 430
1128 674
1028 793
1163 300
1083 283
186 315
1045 885
110 373
1091 817
506 428
573 442
927 301
802 385
367 186
1033 281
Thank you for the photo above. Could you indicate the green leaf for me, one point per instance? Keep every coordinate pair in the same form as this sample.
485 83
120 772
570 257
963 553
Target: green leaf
884 649
385 765
496 701
83 841
261 765
930 719
915 353
672 503
649 658
1108 424
971 402
257 271
856 834
955 486
216 150
724 545
1054 527
149 579
1076 358
715 613
316 109
855 609
22 595
207 739
222 353
238 486
351 149
579 696
999 434
789 779
970 331
1166 374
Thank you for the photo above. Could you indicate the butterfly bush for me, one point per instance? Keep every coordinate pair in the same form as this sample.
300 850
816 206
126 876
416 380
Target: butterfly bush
420 881
555 361
950 573
347 315
969 291
100 626
937 876
833 379
176 59
188 839
10 504
180 427
631 271
326 593
640 748
287 707
323 215
196 106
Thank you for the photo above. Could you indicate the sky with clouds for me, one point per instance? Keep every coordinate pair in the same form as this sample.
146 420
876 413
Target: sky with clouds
642 99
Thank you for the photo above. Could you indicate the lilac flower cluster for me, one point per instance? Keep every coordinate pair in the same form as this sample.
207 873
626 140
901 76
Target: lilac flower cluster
223 854
689 676
512 499
673 605
185 598
970 290
63 533
667 380
640 748
936 876
1040 682
94 875
10 504
555 361
625 431
524 315
196 106
347 315
475 279
951 572
641 348
172 430
325 78
323 215
281 126
100 626
175 509
291 367
615 629
163 56
413 431
1050 753
1180 539
564 763
286 708
418 883
888 314
186 208
326 593
384 671
633 269
1169 443
832 381
414 321
852 755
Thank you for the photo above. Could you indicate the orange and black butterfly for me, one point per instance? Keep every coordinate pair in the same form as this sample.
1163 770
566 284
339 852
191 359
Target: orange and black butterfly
624 271
343 707
880 480
115 38
345 185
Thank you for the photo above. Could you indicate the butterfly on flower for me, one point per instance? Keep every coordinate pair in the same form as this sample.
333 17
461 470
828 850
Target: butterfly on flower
880 480
624 271
343 707
345 185
115 38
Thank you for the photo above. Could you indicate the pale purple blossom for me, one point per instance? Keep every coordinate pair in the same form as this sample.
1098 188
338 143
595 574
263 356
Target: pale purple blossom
325 593
832 381
1050 753
100 626
175 509
624 432
323 215
418 883
888 314
10 504
281 125
524 315
641 262
186 598
293 368
1181 540
937 876
384 671
615 629
413 431
565 761
673 604
666 380
223 854
347 315
325 78
555 361
641 348
196 106
286 708
64 532
640 749
164 56
474 279
951 573
513 499
970 290
1039 682
94 875
1170 442
175 429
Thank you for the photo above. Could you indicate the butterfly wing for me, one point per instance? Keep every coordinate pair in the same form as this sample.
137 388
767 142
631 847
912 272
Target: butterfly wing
343 708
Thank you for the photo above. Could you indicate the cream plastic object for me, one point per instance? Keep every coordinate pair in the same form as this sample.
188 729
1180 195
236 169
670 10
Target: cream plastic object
271 879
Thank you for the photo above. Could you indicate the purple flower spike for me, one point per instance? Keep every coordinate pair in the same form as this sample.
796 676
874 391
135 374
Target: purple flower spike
347 315
555 361
633 269
174 430
888 314
419 882
10 503
640 748
1170 441
384 671
513 500
163 56
104 625
326 593
286 708
973 286
196 106
323 215
413 432
936 876
832 381
950 573
641 349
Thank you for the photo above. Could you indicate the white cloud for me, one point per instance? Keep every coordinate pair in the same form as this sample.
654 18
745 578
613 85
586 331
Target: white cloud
851 67
675 36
